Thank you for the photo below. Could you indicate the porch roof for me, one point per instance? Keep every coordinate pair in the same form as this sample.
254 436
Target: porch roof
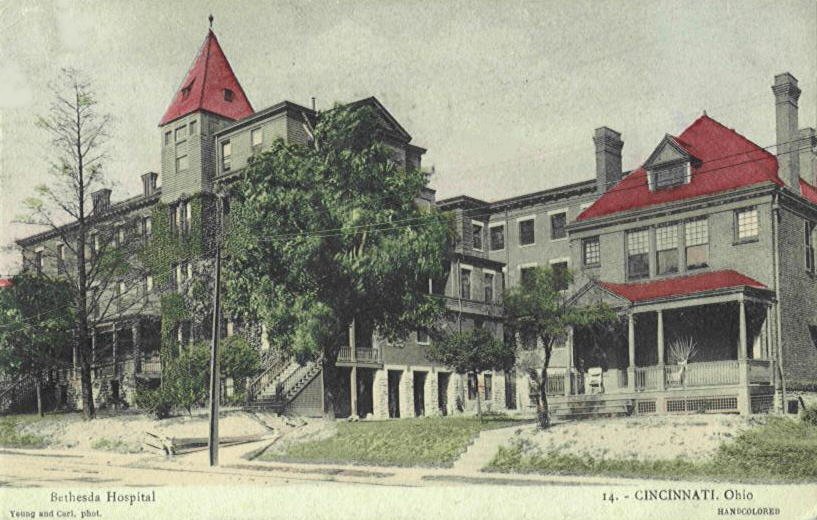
681 286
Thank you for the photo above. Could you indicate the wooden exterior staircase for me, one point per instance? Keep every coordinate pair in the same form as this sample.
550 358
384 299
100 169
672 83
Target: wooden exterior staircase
281 380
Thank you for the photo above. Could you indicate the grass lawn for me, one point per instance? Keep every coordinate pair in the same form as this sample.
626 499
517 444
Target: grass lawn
427 441
783 449
10 436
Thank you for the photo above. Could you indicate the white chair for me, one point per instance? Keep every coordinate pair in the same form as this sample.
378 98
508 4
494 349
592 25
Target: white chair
595 380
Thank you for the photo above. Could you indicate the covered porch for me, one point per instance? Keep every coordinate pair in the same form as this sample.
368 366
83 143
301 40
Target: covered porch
695 343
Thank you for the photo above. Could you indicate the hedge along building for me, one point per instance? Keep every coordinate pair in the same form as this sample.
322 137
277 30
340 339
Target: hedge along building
210 130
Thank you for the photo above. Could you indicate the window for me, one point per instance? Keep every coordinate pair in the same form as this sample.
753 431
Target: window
148 284
666 240
497 233
697 243
476 234
591 252
61 258
119 235
122 289
191 128
809 243
558 221
560 271
94 244
182 163
256 137
189 271
465 284
747 225
526 274
226 155
638 251
527 234
422 337
228 95
168 137
147 227
488 286
813 331
488 385
472 386
174 221
38 261
181 133
670 176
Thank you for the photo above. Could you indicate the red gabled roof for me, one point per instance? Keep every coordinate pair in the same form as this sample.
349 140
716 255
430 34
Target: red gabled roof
6 282
204 87
727 160
681 286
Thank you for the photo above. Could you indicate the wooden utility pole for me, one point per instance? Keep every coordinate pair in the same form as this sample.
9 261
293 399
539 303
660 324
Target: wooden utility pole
215 380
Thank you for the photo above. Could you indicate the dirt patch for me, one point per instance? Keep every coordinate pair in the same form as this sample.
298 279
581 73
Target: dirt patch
124 433
641 438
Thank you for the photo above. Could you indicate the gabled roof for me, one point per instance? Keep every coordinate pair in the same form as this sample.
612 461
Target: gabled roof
205 86
671 149
726 161
681 286
386 119
6 282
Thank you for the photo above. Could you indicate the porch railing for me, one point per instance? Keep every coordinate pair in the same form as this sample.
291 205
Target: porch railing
648 378
708 373
362 355
556 384
760 371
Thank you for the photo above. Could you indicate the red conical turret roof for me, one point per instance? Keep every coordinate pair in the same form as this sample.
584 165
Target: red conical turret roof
210 85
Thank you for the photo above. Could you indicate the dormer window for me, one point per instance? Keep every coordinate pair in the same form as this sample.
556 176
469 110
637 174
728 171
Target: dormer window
670 165
228 95
187 88
670 176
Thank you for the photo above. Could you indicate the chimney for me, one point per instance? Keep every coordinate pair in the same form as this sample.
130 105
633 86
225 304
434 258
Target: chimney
808 155
101 199
608 158
786 95
149 183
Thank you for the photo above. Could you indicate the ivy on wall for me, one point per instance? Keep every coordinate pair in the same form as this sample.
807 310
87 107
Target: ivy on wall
165 248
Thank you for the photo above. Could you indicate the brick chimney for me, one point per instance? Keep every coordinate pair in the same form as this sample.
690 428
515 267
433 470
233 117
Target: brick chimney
786 95
149 183
102 200
608 158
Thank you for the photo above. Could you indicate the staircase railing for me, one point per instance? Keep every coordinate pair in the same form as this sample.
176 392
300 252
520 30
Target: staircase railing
290 385
271 368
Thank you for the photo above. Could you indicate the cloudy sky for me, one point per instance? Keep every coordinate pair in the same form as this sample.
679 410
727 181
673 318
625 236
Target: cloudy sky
505 95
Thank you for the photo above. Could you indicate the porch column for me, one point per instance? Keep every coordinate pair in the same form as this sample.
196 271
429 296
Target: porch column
137 346
93 345
742 354
660 341
353 385
569 370
631 351
113 351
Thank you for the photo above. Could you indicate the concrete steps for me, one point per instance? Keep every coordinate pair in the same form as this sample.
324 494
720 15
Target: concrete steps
591 407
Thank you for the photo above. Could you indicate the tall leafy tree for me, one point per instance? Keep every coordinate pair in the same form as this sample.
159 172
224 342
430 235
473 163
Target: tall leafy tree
36 324
328 233
538 309
96 258
472 352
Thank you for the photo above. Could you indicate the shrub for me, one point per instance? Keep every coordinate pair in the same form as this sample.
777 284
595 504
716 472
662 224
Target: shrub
156 401
809 416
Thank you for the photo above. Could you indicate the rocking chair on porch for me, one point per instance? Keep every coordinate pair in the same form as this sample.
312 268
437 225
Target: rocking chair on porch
595 380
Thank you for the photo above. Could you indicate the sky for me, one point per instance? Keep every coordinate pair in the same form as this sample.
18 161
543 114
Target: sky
505 95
